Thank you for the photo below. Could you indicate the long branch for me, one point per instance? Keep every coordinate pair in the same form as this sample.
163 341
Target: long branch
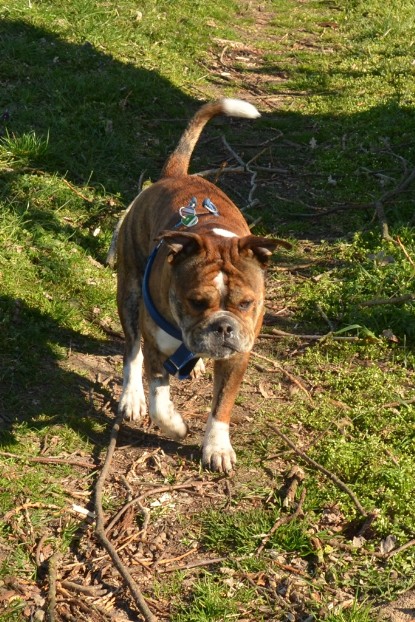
100 530
319 467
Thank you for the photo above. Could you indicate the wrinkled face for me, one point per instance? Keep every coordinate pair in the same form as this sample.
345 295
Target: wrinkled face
217 298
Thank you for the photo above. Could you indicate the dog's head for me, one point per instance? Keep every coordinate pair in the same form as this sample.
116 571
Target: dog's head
217 289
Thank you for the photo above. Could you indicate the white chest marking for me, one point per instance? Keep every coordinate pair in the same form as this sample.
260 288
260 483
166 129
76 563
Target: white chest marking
165 342
224 233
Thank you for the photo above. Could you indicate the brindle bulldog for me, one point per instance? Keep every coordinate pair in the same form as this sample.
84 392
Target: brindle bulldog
191 285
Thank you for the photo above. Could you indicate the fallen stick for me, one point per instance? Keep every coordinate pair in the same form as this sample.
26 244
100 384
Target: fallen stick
79 194
89 590
403 402
149 493
196 564
26 506
281 334
52 574
344 546
49 460
387 301
322 469
405 252
285 372
100 529
405 546
380 213
176 559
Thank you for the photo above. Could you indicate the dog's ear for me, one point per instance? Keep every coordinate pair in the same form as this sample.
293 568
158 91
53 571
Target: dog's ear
181 242
259 247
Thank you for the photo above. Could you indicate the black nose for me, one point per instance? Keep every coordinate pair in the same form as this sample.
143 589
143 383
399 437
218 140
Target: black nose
223 328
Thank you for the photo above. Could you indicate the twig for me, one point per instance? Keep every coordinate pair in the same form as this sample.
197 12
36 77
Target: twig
220 170
325 317
283 520
79 194
380 213
377 205
196 564
294 478
100 529
322 469
39 550
89 590
178 558
403 402
344 546
149 493
402 185
387 301
240 169
281 334
52 572
233 153
405 546
25 506
285 372
246 168
50 460
405 252
35 171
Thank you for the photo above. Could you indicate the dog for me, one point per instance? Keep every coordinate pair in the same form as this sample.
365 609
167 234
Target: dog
191 286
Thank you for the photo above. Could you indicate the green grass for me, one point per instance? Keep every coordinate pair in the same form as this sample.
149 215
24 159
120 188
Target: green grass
356 292
93 94
211 600
242 533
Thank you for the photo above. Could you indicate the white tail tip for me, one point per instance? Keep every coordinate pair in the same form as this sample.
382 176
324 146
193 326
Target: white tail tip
239 108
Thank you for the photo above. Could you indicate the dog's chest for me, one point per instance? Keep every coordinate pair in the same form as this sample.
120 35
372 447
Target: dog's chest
165 342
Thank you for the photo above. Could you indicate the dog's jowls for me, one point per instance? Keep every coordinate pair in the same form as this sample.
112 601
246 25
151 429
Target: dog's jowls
207 281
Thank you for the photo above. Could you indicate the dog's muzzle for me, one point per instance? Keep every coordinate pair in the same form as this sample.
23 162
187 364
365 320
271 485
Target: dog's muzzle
220 337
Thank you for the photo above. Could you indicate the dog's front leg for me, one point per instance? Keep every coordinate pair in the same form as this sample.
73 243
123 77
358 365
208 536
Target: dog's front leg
218 453
161 408
133 402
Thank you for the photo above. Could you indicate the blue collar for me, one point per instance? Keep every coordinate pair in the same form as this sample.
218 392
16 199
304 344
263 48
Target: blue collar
182 361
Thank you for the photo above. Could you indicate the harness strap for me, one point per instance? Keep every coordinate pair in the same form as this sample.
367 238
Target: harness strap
182 361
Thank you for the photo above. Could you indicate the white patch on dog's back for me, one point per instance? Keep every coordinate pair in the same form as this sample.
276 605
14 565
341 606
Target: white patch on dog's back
224 233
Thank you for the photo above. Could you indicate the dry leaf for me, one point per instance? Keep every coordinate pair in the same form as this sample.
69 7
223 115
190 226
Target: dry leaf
388 544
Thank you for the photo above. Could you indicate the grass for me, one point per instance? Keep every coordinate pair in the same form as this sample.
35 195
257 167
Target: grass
95 93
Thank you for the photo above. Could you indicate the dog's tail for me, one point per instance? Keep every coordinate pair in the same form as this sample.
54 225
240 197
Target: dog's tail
178 162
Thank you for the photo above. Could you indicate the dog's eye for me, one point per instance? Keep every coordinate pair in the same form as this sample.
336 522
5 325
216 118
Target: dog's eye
199 304
245 305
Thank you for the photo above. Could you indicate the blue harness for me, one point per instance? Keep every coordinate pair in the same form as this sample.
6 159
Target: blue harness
182 361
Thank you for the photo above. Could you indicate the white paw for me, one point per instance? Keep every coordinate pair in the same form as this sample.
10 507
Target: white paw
171 424
218 454
163 413
198 370
132 404
221 459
